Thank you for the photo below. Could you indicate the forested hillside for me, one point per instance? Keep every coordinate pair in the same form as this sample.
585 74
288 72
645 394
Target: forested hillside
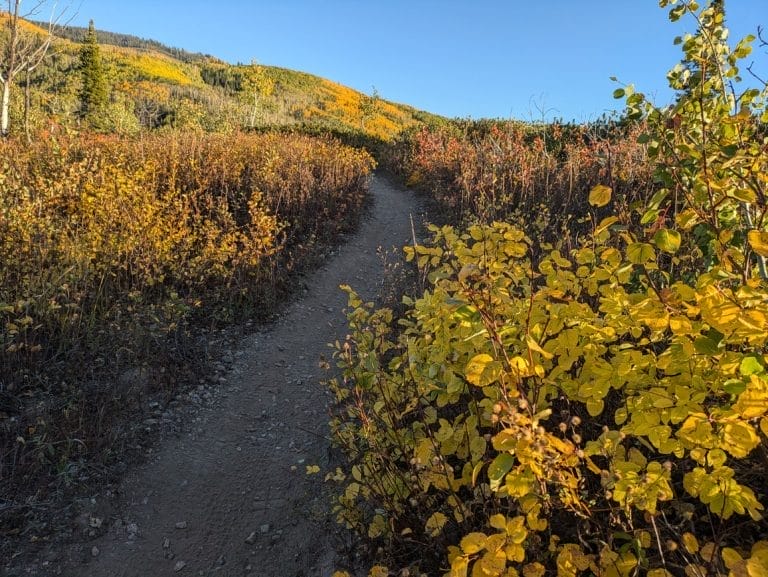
153 86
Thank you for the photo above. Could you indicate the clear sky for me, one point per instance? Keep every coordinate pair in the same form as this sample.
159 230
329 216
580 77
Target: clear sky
465 58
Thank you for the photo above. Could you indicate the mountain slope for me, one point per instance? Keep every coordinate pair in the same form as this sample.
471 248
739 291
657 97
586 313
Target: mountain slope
155 86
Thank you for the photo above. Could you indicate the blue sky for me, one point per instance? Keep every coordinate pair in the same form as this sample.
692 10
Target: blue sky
465 58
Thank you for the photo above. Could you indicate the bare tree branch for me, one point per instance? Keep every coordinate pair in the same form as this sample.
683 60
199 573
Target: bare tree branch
22 47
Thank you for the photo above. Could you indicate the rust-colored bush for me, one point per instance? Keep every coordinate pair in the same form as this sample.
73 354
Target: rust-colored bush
490 170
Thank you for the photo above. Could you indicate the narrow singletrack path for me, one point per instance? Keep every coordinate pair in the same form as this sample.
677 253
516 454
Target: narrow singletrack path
231 496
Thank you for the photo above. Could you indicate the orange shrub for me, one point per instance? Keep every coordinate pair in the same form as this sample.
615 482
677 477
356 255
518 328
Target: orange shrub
491 169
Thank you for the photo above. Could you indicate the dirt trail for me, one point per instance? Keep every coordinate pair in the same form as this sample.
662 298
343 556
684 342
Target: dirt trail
231 497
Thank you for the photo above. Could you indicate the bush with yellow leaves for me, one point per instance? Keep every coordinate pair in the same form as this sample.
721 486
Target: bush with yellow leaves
114 251
597 411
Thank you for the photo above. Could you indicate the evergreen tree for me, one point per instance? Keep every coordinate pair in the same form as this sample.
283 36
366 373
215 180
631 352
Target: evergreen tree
94 92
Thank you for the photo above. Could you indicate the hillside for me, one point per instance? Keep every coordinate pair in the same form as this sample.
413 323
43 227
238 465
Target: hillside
153 86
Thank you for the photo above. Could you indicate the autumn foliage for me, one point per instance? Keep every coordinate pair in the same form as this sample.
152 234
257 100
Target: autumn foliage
490 170
114 251
586 407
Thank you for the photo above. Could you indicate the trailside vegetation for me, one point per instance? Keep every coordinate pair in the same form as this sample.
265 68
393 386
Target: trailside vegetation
597 407
502 169
117 257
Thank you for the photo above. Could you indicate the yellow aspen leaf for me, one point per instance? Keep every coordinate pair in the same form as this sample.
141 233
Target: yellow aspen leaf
572 560
476 472
753 402
680 325
605 224
600 195
626 563
519 483
492 564
473 543
468 270
730 557
757 564
644 537
687 219
435 524
495 542
520 367
640 253
739 438
659 573
758 240
498 521
312 469
515 553
482 370
516 530
716 458
737 570
764 426
667 240
378 571
459 566
595 407
534 346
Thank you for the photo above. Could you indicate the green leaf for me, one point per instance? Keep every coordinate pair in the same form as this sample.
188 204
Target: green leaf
705 346
477 447
640 253
499 467
651 215
595 407
734 386
667 240
744 195
534 346
600 195
658 198
619 93
750 365
377 527
435 524
476 471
